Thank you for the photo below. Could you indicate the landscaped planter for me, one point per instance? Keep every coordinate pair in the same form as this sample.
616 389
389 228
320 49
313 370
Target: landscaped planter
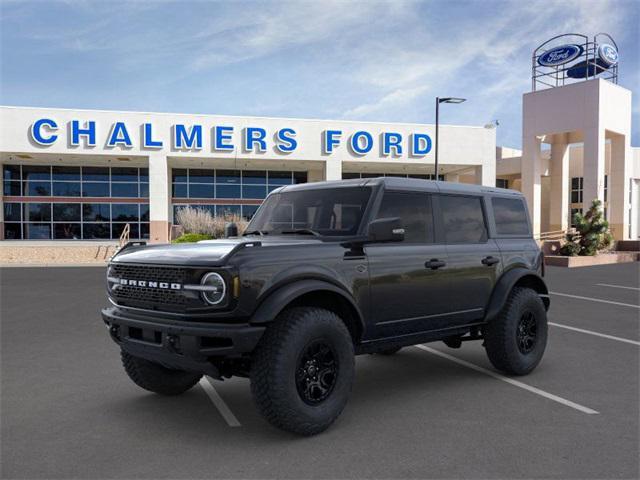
601 259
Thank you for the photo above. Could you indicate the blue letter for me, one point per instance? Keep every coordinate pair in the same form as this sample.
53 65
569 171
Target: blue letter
147 138
391 140
119 136
421 144
355 142
89 131
221 137
36 133
329 140
286 136
182 139
251 139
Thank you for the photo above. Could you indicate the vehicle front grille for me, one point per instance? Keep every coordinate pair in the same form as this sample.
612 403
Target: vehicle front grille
154 298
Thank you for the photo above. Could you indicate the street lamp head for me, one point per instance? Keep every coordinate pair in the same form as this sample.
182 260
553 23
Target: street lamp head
451 100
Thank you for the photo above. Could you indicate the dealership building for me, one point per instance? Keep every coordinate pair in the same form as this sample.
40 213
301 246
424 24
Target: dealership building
86 174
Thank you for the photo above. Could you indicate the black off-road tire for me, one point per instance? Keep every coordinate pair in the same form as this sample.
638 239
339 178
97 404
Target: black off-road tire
276 370
156 378
509 347
389 351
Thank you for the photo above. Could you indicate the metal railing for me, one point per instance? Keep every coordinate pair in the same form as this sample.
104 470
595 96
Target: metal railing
553 235
124 236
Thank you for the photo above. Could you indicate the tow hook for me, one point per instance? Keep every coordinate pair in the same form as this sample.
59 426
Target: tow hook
114 331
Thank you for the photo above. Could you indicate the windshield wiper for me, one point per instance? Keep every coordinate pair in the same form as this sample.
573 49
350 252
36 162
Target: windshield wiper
301 231
256 232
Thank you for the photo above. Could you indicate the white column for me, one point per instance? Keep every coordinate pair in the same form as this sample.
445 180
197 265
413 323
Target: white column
593 166
333 169
486 174
618 188
531 172
559 204
159 198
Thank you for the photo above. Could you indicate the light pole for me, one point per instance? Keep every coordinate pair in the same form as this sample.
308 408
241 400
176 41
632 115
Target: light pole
438 102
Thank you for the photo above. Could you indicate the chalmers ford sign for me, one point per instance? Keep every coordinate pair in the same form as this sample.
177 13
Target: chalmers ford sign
45 132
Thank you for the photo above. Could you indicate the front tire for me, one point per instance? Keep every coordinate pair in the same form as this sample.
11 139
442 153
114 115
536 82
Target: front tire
302 370
515 341
156 378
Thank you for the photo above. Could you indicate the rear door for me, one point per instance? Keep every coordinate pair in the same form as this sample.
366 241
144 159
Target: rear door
408 295
474 259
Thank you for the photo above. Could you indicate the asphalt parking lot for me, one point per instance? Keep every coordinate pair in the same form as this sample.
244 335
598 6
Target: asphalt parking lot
69 411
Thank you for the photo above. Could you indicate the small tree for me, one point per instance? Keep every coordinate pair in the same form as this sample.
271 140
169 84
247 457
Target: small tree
591 235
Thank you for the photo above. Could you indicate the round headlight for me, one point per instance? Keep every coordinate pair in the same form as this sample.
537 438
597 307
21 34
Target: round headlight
215 288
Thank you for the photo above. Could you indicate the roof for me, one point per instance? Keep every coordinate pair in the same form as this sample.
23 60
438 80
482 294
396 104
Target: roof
401 183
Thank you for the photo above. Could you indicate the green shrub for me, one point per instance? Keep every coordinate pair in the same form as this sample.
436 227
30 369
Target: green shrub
591 235
192 238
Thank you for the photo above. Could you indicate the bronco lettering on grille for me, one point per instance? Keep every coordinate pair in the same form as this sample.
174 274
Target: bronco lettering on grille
150 284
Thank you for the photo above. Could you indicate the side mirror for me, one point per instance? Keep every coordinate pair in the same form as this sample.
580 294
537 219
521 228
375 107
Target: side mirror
385 230
230 230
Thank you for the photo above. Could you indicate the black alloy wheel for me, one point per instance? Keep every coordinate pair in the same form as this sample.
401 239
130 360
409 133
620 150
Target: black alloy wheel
526 332
317 372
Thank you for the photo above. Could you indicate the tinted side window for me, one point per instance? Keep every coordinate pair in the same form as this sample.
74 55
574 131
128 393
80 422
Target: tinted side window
463 219
510 215
414 210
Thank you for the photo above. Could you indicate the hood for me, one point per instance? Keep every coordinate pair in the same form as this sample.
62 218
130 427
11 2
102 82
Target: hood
207 252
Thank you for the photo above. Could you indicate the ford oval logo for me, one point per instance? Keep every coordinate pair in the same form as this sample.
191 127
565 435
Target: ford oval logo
560 55
608 54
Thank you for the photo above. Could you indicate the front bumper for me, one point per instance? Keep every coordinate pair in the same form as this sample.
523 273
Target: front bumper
178 344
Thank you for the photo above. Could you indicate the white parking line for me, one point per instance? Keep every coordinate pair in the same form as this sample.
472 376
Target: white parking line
511 381
590 332
596 300
227 414
617 286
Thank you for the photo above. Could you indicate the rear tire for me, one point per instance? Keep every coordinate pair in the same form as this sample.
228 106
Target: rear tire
515 340
156 378
302 370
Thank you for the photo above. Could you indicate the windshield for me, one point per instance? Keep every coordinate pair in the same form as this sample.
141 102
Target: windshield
325 212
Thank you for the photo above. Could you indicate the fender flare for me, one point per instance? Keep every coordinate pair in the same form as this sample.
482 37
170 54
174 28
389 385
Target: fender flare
282 296
505 284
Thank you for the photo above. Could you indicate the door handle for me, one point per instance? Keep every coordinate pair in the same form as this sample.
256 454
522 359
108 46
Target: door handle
488 261
434 264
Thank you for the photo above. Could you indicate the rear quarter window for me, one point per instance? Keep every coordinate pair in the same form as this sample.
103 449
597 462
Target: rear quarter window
511 216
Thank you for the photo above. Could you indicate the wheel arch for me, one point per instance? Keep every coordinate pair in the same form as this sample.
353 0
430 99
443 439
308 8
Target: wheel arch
312 293
518 277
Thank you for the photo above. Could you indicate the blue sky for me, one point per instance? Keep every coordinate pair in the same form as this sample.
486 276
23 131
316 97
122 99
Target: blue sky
367 60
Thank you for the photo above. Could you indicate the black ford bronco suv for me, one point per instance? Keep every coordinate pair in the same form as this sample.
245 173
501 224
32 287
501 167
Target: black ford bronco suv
326 271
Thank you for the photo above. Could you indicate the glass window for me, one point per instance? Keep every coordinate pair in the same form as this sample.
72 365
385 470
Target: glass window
71 231
124 212
414 211
418 176
299 177
12 231
95 174
350 176
463 219
502 183
144 190
117 228
228 191
197 190
96 212
66 212
95 189
124 174
573 212
331 212
248 211
198 175
36 172
228 210
179 190
144 230
280 178
66 189
124 190
576 189
253 191
179 175
96 230
144 212
66 173
227 176
510 215
144 174
254 177
12 212
37 231
11 172
37 212
38 189
12 189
